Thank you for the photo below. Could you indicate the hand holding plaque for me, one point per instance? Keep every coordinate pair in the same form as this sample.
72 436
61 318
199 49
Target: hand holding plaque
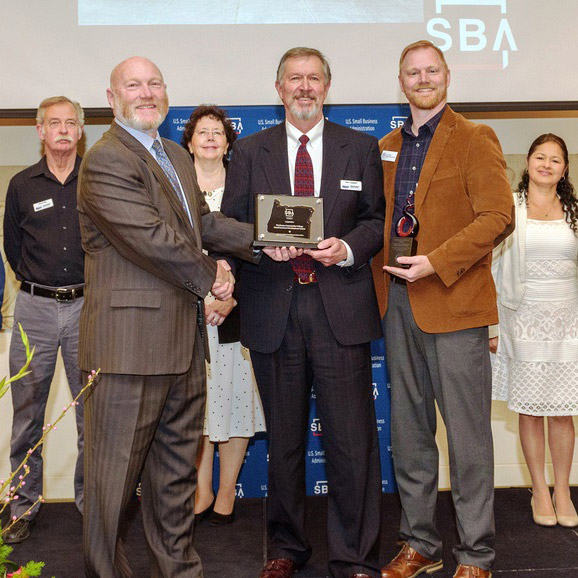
287 221
404 244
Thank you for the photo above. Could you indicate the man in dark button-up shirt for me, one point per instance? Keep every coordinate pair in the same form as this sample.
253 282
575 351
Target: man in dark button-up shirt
42 244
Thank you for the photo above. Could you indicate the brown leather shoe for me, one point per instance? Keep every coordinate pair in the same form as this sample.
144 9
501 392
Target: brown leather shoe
409 563
466 571
278 568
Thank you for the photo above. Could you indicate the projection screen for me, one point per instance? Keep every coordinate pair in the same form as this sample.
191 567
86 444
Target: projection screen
227 51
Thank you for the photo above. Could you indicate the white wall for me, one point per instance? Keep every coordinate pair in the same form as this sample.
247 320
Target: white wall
20 146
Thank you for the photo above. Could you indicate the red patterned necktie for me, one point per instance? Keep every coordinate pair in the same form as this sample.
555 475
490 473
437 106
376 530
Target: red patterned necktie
303 266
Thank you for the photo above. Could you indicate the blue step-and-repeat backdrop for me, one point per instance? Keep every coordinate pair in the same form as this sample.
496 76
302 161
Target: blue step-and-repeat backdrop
376 120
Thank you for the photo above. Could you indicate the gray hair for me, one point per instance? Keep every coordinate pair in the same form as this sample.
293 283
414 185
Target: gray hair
300 52
47 102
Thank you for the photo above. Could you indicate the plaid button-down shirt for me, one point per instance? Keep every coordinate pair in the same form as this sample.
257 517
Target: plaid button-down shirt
411 158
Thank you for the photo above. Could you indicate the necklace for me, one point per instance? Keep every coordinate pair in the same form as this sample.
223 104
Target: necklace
540 209
210 181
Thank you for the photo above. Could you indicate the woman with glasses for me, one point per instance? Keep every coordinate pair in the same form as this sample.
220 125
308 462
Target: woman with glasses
535 367
233 410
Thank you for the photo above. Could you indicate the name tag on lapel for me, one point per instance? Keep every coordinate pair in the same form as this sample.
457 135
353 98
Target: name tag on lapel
41 205
389 156
350 185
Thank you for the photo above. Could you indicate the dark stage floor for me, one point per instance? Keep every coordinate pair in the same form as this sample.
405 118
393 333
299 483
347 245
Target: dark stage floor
524 550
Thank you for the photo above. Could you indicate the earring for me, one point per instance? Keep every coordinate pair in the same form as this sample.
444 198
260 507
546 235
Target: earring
562 179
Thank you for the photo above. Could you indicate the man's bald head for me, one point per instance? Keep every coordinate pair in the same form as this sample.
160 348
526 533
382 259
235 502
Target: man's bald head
137 94
127 65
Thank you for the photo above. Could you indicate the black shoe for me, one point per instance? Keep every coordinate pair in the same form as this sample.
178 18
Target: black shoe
18 532
205 513
216 519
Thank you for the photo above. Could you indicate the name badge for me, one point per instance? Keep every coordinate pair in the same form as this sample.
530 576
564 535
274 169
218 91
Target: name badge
389 156
350 185
40 206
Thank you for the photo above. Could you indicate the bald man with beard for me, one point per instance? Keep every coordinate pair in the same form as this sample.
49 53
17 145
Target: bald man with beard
144 223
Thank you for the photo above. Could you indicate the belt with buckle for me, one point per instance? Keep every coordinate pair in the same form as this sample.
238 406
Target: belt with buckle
58 293
311 278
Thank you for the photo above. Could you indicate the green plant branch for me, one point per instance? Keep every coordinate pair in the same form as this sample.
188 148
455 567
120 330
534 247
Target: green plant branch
5 383
7 490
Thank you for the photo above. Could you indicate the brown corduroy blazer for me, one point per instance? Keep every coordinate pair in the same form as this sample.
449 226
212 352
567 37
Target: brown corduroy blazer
463 203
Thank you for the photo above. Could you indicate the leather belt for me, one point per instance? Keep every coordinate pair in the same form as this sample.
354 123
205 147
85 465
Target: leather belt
397 280
311 278
58 293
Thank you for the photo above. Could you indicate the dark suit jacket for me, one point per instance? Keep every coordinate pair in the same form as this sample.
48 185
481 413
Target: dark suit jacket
463 203
259 164
229 330
144 269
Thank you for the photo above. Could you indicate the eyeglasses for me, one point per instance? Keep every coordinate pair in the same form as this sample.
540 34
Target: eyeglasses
208 133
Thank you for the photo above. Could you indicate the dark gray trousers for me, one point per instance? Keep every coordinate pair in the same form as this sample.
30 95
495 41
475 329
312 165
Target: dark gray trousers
452 369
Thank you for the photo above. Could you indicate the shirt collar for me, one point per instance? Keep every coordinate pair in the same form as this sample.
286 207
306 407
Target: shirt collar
41 169
430 125
315 134
146 140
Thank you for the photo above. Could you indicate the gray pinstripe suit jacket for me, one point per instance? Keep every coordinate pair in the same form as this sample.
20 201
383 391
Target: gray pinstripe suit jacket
145 271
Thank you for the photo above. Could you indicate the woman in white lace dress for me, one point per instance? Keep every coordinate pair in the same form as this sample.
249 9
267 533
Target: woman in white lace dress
233 410
535 367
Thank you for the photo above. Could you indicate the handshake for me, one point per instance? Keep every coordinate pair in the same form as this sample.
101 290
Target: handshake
224 284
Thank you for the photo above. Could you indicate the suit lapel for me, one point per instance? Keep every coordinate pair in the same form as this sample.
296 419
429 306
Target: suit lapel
335 160
389 171
184 171
275 162
435 152
138 149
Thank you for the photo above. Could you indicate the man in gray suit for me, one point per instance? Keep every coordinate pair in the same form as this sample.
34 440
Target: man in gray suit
143 224
310 316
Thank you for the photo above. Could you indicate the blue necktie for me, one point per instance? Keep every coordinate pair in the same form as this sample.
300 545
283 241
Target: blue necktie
169 170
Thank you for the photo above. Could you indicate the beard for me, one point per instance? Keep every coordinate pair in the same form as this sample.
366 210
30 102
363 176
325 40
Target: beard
430 100
304 114
129 113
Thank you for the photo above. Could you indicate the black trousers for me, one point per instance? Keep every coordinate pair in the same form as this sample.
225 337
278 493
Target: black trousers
309 354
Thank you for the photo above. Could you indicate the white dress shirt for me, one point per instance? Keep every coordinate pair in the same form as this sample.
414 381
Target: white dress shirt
315 150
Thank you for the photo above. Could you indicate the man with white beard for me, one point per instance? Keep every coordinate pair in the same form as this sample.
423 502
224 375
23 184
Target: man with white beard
308 316
144 223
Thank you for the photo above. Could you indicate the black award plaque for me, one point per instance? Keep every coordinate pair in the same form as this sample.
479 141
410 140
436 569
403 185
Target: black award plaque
287 221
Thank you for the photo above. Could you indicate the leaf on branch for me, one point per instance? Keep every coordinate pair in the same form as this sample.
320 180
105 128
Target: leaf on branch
4 383
33 568
5 551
